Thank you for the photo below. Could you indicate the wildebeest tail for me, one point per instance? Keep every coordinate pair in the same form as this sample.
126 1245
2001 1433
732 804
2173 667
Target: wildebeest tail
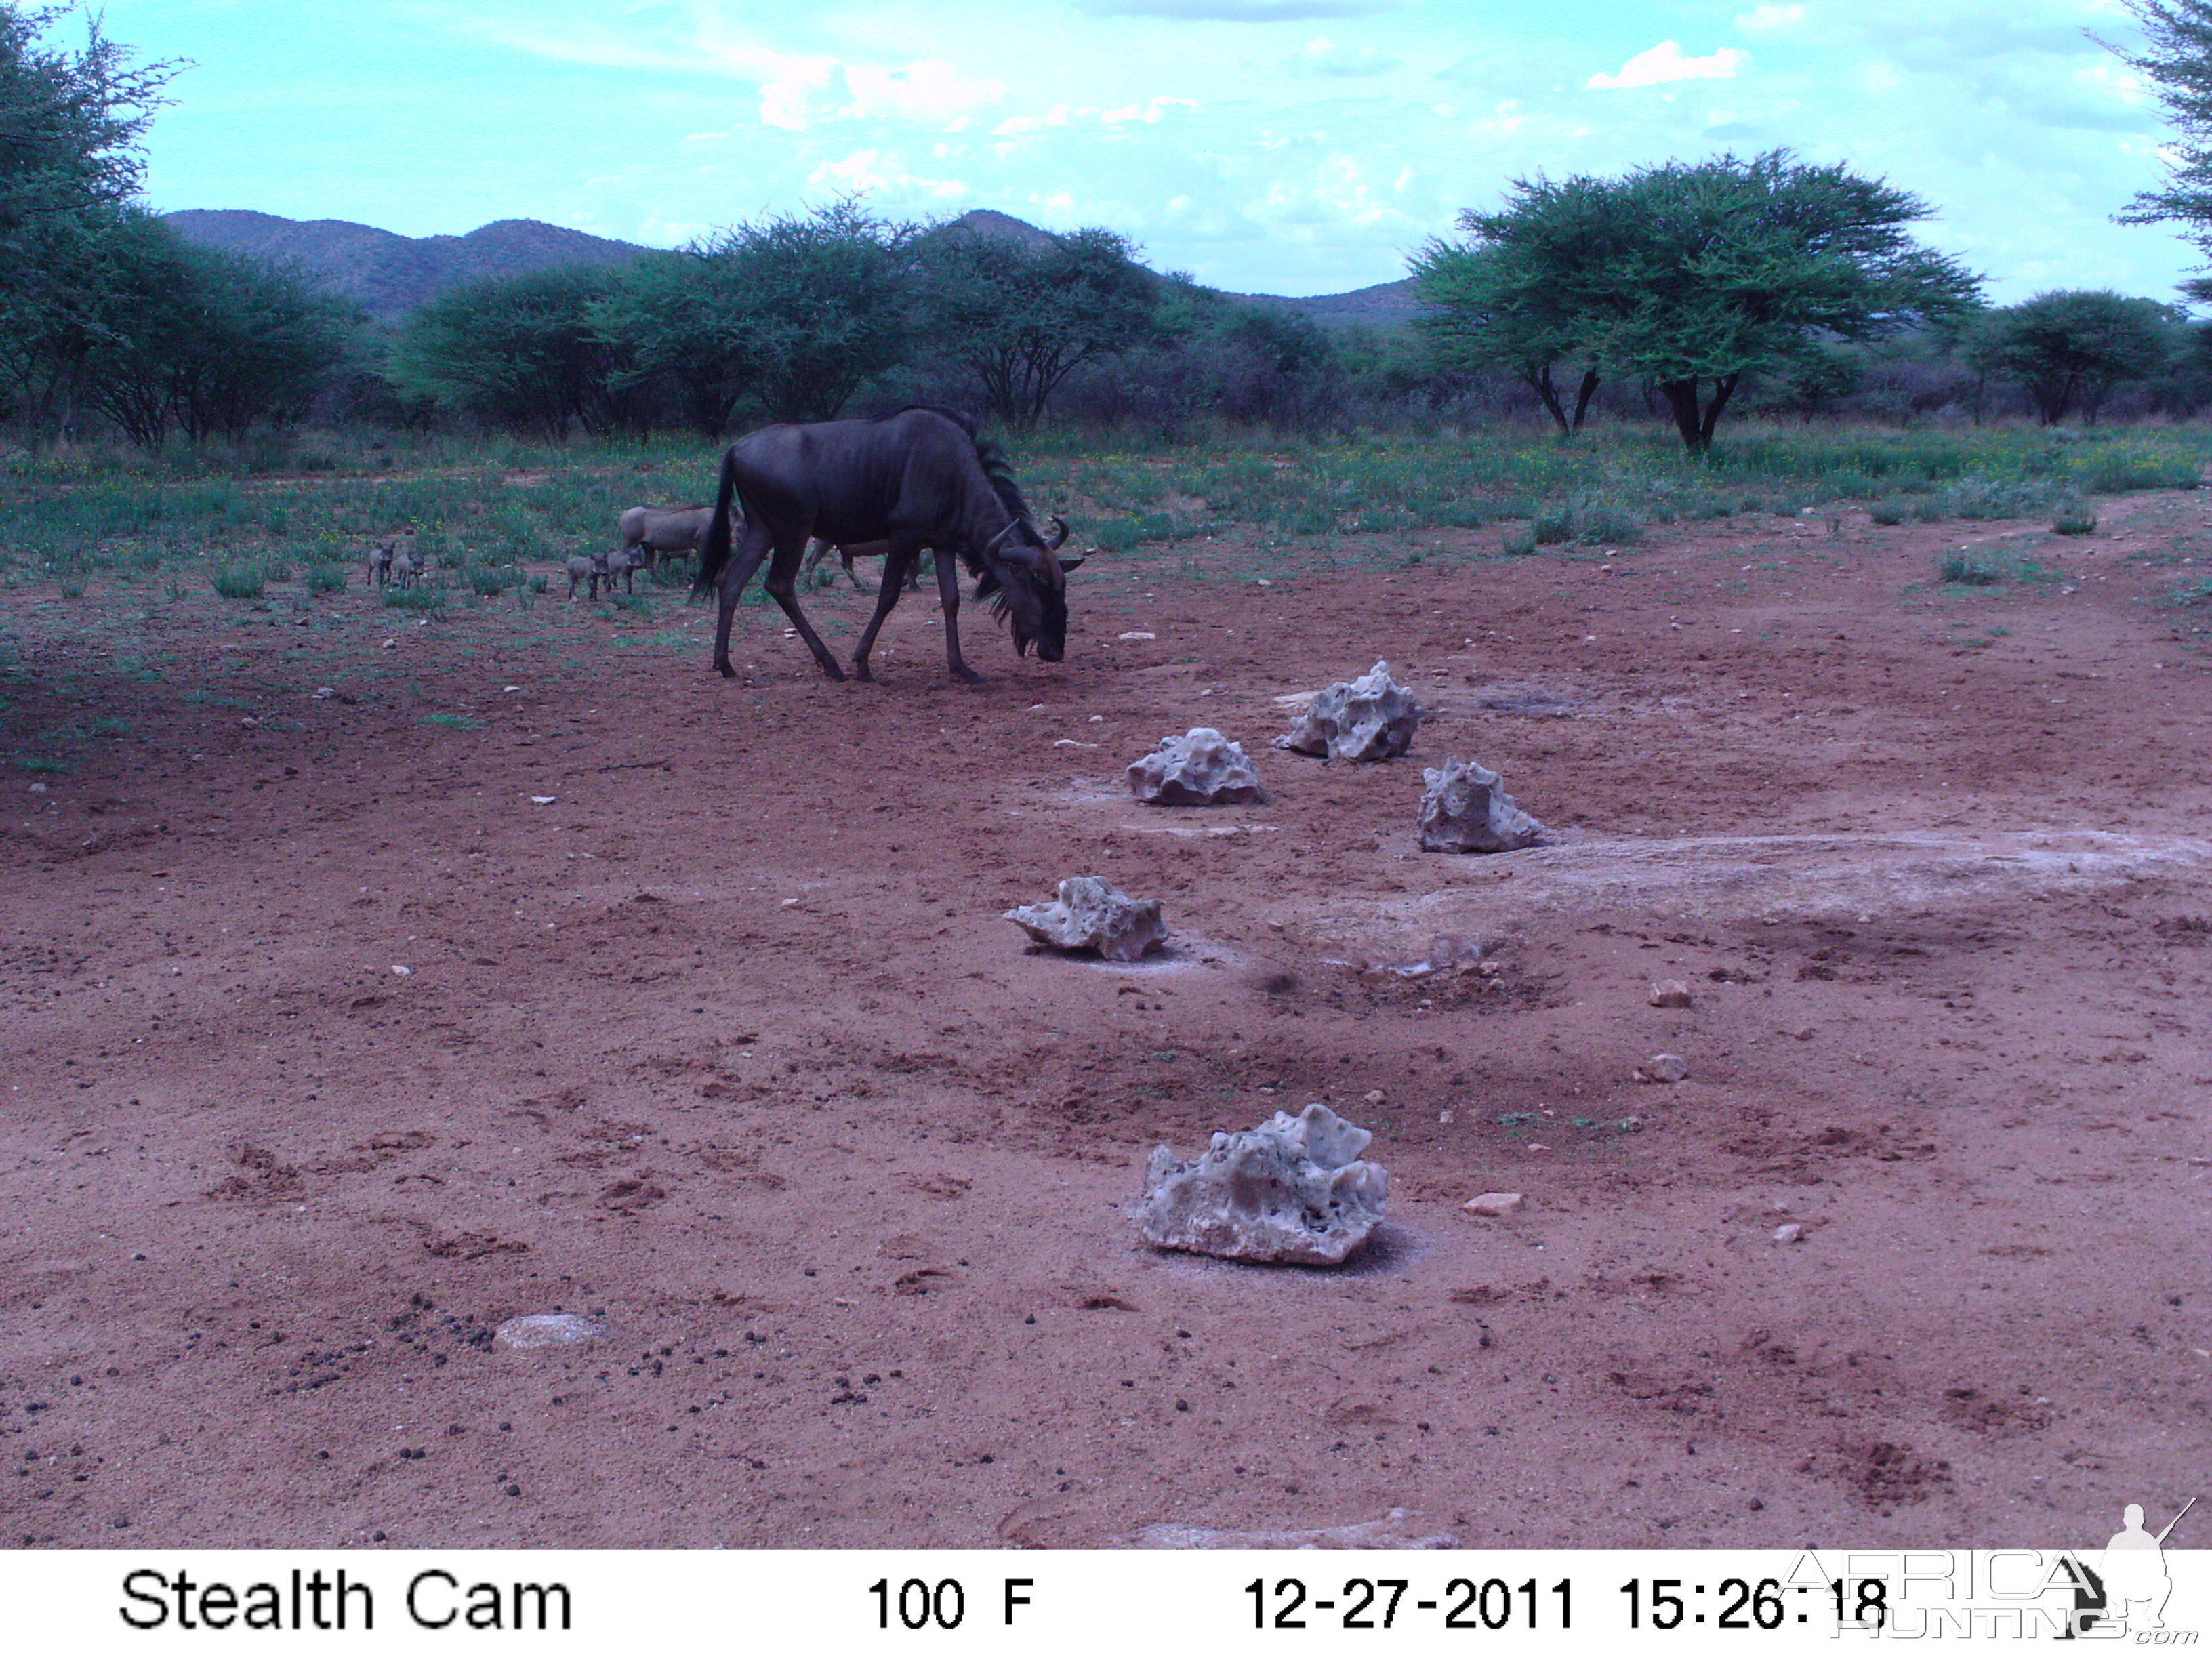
714 551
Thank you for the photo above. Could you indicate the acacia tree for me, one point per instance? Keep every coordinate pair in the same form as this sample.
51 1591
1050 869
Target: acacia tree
2074 346
70 164
522 352
1693 275
1507 297
791 316
2178 61
1022 318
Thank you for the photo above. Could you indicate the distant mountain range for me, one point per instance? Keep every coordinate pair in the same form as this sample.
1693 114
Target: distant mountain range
389 275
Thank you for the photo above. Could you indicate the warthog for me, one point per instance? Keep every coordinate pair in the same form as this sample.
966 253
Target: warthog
664 531
916 478
592 571
821 550
382 555
410 565
624 563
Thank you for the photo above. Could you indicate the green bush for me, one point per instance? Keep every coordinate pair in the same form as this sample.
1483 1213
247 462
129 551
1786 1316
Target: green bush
239 581
325 578
490 579
1888 512
1519 543
2074 519
1969 568
1553 527
430 599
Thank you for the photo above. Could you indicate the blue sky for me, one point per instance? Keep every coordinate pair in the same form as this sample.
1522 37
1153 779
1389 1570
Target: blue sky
1276 146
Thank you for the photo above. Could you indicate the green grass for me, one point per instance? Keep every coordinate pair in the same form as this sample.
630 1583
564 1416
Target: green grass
431 600
41 763
239 581
2074 520
454 722
325 577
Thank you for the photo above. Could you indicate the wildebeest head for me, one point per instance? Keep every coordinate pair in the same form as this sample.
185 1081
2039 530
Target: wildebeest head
1026 582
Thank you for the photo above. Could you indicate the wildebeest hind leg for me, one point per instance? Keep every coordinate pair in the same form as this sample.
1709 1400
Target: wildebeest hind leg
896 564
782 584
735 575
948 595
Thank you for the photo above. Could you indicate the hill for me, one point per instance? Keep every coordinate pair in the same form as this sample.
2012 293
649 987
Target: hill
390 274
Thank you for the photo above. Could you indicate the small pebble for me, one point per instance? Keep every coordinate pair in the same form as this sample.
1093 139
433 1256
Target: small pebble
1789 1232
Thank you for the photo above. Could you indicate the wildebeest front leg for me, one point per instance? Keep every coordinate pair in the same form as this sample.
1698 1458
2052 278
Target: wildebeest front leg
897 563
948 595
782 584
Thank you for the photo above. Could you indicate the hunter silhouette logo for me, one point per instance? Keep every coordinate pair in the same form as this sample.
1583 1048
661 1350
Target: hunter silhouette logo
2128 1590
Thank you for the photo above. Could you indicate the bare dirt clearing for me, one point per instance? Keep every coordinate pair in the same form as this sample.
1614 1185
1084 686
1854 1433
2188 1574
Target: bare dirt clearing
709 1028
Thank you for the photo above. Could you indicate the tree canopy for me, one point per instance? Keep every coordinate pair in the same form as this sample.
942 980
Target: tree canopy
2178 60
1689 275
2069 349
1023 319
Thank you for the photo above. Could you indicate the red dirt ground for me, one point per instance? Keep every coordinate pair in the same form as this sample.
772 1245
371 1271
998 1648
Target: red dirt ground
726 1044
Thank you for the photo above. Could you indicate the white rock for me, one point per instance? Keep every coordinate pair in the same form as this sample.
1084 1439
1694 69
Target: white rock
1669 993
1464 811
1091 916
549 1331
1369 718
1293 1190
1663 1068
1493 1205
1199 768
1789 1232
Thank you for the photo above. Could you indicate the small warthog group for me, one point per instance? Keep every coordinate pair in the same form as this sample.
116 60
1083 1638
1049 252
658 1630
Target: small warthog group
605 568
394 559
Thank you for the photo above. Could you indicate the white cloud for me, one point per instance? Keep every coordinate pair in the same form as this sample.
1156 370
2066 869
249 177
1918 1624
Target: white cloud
1769 20
930 91
1322 55
1665 62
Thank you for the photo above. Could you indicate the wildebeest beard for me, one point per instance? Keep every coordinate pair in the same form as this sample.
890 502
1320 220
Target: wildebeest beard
1028 589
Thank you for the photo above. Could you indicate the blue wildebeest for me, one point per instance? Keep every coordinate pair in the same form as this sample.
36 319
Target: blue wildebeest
915 478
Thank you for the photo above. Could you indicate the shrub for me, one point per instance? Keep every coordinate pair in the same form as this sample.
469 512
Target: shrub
1969 568
239 581
490 579
430 599
2074 519
1553 527
1888 512
326 577
1519 543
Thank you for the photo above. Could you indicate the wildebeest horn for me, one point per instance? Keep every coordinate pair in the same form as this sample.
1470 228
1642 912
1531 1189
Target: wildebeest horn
1061 524
991 546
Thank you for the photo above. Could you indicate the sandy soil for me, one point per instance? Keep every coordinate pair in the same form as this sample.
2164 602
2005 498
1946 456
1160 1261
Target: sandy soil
725 1044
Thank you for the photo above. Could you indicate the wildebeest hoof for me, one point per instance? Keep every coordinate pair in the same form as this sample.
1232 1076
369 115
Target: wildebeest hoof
725 671
833 670
862 671
966 675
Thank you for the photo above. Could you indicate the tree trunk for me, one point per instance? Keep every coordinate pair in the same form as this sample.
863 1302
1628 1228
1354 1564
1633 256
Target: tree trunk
1582 398
1682 398
1539 377
1723 389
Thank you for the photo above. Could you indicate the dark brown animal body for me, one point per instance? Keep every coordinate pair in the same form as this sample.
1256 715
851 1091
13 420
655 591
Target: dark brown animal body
913 479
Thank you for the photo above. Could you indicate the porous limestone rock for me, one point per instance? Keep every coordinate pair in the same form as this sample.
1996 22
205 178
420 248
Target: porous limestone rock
1369 718
1199 768
1494 1205
549 1331
1293 1190
1464 811
1663 1068
1091 916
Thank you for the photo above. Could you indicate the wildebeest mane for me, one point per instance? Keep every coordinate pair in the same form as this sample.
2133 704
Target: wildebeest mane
996 467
